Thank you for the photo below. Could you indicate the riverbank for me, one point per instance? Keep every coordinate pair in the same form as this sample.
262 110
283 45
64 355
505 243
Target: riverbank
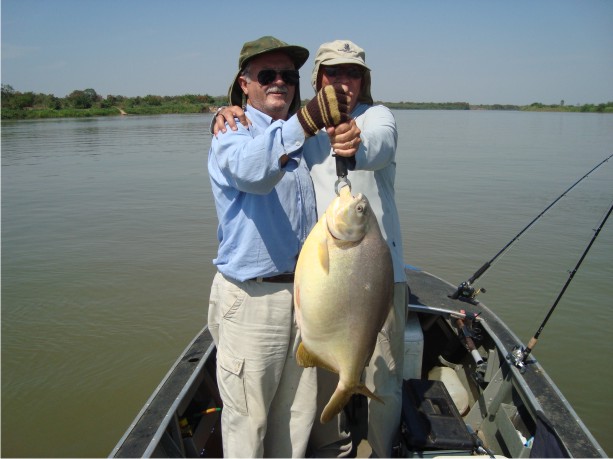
88 103
35 113
535 107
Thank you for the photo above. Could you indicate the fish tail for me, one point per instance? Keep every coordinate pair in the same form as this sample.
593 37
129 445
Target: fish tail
341 397
362 389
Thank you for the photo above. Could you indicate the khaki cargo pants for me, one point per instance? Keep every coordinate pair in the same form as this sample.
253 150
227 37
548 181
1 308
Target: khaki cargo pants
269 401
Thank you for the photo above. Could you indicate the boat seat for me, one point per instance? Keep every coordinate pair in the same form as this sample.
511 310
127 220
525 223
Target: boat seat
431 419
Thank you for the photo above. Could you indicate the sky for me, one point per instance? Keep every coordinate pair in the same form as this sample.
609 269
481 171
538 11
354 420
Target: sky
476 51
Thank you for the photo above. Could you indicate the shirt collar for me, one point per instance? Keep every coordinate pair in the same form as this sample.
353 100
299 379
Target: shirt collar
257 116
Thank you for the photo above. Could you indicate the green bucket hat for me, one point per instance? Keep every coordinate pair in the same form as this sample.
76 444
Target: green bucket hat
261 46
343 52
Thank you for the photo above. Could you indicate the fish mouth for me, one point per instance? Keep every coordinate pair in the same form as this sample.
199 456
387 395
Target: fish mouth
345 193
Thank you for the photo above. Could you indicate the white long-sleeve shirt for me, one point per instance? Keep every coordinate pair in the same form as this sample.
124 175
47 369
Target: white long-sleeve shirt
374 173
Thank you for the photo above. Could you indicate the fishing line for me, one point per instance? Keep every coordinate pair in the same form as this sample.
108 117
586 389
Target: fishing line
466 290
518 355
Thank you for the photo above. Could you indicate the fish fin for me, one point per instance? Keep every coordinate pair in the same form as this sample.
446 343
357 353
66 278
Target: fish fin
337 402
362 389
303 357
322 253
297 296
306 359
341 397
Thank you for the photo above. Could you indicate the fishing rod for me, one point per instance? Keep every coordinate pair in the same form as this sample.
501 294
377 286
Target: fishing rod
518 355
466 290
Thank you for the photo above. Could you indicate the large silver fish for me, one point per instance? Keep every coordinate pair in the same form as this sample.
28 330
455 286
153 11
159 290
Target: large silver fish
342 295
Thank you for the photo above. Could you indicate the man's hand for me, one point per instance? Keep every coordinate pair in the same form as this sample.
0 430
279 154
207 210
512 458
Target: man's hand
227 115
345 138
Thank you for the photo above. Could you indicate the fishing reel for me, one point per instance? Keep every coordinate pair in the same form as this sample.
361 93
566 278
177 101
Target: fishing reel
479 374
466 290
469 334
518 358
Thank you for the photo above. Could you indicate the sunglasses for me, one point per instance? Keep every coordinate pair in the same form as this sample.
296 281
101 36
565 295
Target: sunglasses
352 72
267 76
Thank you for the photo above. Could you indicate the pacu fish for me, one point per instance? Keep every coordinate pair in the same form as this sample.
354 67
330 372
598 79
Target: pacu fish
343 292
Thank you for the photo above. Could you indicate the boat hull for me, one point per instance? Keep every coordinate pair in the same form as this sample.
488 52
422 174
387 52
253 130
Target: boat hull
490 405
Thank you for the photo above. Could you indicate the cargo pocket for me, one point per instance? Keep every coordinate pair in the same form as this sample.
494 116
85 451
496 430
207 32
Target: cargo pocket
232 383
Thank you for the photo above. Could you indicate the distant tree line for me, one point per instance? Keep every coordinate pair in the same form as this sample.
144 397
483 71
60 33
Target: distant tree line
562 107
536 106
87 102
427 105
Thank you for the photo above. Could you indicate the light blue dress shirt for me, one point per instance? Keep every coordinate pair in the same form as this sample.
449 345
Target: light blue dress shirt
265 211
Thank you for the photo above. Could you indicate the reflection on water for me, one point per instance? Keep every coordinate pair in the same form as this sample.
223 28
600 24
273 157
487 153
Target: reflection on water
108 232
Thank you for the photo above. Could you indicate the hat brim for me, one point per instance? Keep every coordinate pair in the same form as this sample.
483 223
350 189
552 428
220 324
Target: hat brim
344 60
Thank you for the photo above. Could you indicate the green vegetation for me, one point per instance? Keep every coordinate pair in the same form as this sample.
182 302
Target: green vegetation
427 105
535 107
87 103
586 108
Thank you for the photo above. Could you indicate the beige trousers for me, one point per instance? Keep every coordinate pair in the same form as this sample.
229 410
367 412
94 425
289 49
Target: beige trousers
384 373
269 401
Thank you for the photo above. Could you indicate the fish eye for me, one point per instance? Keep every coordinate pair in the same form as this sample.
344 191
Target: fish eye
360 208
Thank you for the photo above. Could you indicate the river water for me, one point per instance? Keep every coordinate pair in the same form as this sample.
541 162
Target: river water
108 232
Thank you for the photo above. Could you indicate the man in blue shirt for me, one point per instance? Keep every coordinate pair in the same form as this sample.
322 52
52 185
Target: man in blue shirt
266 207
373 173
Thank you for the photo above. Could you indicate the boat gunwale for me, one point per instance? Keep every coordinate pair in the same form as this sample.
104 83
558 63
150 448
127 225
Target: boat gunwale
534 382
161 428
